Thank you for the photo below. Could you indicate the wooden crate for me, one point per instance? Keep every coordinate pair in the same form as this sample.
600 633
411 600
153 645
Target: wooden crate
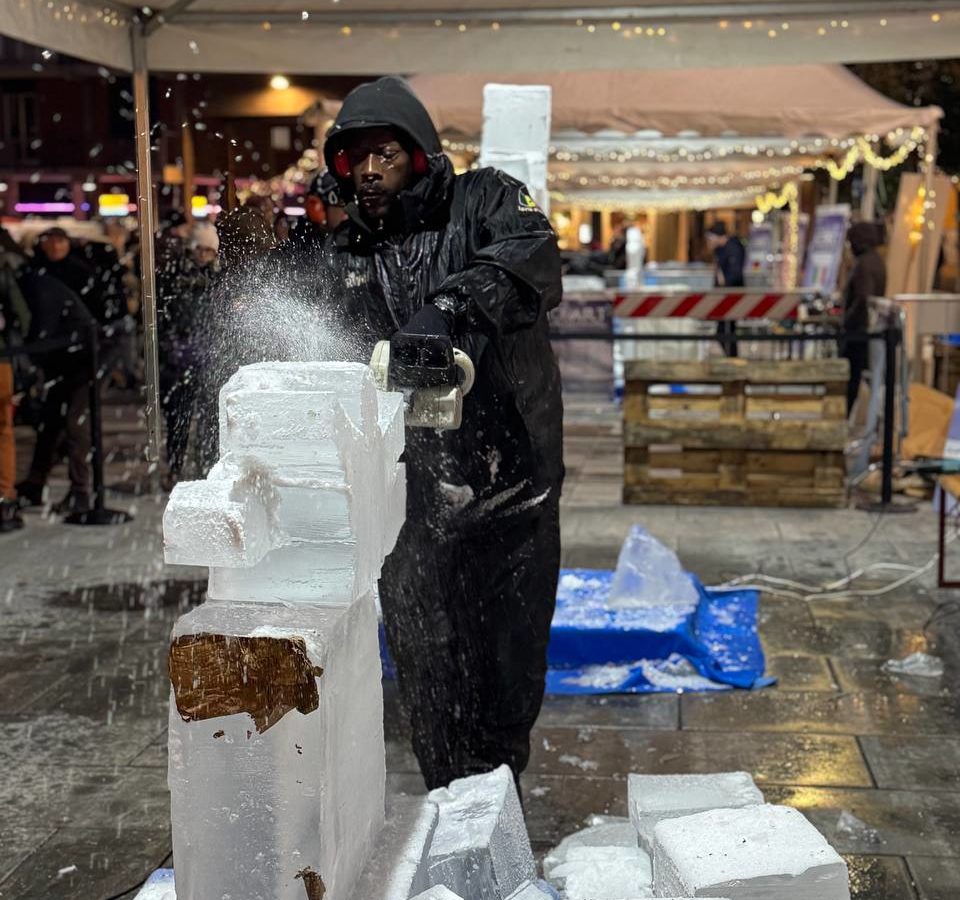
734 432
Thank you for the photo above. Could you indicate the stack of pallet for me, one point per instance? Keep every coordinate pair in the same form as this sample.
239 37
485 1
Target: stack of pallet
736 432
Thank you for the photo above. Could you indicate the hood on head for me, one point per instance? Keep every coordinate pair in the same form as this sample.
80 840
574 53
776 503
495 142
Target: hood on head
387 102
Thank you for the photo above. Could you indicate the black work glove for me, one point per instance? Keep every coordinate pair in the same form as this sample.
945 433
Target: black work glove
428 320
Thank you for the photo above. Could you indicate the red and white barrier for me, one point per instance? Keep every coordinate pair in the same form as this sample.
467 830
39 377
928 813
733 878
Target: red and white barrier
713 305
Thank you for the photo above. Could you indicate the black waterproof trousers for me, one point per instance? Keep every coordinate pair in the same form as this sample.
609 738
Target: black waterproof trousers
468 621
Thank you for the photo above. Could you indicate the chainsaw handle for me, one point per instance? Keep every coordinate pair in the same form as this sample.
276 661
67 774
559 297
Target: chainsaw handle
465 365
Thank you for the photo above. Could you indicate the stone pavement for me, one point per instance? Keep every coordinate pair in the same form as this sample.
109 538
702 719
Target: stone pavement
85 613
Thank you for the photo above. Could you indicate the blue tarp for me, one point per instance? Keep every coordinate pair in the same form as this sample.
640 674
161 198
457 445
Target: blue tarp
597 650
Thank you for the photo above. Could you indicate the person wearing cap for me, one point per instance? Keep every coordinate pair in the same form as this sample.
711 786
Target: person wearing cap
468 592
729 256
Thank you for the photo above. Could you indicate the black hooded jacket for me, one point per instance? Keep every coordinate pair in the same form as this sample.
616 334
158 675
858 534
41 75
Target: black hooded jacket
479 237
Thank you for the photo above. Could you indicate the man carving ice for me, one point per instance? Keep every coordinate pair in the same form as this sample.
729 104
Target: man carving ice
468 593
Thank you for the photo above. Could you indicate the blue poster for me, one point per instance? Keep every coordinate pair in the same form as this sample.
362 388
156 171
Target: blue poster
825 253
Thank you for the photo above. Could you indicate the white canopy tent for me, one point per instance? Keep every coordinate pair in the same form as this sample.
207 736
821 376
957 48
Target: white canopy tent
701 133
492 36
360 36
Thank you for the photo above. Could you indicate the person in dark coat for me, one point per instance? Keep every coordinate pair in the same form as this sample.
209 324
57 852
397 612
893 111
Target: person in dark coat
867 278
57 313
468 593
729 256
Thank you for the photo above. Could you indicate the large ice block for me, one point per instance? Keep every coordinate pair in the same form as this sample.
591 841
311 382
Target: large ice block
398 867
768 852
480 848
276 766
652 798
309 495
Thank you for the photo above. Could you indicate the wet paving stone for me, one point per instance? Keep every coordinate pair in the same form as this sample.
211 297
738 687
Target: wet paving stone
655 711
909 762
898 823
81 863
559 805
905 612
935 879
842 638
868 675
795 672
814 712
64 739
785 759
879 878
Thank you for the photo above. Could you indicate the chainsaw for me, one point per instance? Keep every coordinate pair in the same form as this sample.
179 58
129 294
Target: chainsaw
432 374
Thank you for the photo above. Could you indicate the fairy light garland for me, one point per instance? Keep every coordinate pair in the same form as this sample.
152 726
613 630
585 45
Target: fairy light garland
789 196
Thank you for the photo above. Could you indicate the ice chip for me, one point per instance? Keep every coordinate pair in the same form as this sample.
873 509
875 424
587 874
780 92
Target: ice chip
437 892
920 664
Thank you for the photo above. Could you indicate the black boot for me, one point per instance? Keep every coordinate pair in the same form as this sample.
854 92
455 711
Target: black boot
29 494
73 502
10 519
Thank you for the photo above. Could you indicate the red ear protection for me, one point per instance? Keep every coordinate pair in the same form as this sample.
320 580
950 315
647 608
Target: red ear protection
341 164
420 162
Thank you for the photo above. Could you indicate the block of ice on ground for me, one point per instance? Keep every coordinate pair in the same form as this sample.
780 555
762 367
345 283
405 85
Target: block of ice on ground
602 862
652 798
438 892
159 886
768 852
276 765
649 574
398 867
480 848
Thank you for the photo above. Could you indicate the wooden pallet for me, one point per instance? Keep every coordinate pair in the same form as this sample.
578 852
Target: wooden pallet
735 432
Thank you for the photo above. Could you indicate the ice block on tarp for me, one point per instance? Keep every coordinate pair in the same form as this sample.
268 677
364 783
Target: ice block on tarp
653 798
276 764
769 852
480 848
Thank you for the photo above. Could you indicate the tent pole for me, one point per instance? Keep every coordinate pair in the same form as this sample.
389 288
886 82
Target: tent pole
868 202
930 234
141 101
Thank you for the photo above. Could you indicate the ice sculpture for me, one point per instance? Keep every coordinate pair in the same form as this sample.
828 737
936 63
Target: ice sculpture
277 768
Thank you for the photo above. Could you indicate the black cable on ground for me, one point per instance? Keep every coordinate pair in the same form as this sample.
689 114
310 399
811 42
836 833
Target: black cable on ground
142 881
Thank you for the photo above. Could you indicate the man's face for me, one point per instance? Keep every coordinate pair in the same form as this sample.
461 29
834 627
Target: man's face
55 247
205 256
380 168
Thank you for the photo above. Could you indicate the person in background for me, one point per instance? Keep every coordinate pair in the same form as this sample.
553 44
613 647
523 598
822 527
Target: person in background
57 313
246 241
867 278
183 291
729 257
14 325
55 256
324 214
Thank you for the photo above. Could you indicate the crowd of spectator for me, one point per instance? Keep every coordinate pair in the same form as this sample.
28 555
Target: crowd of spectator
59 293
